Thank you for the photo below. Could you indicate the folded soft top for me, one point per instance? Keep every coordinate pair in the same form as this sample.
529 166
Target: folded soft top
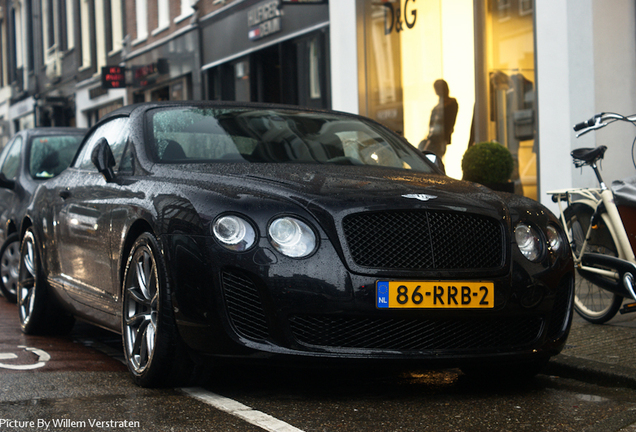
625 191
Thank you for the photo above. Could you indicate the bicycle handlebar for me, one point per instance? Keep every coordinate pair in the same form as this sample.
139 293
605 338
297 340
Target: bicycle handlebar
600 121
586 124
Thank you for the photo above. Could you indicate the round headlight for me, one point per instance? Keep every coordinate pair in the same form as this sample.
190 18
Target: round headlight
528 241
234 232
292 237
554 239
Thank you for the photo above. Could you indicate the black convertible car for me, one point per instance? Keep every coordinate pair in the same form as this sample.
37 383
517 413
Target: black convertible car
212 230
30 158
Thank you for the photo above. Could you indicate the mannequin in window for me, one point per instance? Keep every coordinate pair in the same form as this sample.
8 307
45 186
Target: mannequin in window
442 121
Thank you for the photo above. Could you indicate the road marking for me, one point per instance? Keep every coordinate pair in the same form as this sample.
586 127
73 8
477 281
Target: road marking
237 409
43 357
7 356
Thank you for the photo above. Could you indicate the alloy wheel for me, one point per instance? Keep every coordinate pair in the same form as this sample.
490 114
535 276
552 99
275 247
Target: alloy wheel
27 281
141 298
9 268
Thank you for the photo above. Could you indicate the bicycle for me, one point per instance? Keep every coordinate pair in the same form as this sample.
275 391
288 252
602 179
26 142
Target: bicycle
601 248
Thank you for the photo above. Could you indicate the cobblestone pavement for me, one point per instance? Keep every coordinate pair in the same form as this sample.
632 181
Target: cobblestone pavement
610 347
613 343
601 353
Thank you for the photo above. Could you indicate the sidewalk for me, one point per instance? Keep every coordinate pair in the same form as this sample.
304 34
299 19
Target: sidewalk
604 353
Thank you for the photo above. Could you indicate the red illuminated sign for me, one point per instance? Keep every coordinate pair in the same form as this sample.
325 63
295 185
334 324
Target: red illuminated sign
113 77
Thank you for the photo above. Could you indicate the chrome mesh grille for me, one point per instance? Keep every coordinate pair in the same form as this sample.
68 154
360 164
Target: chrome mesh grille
415 334
424 240
562 309
244 306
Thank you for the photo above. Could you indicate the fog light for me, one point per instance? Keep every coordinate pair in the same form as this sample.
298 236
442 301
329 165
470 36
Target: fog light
532 296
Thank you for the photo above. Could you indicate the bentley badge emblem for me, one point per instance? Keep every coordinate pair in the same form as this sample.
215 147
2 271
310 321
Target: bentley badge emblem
421 197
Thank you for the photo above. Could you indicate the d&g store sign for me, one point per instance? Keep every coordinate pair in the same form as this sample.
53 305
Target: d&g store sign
396 17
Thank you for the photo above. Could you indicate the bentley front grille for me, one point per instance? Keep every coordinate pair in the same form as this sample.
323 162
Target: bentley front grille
424 240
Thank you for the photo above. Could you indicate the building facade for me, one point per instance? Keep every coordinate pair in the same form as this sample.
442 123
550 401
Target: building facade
523 72
519 72
267 51
163 55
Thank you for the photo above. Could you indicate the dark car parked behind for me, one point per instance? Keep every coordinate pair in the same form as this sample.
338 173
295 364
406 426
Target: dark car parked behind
218 230
32 156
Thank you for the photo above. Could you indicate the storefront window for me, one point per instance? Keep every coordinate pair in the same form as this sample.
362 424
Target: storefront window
314 69
509 60
435 77
419 65
174 90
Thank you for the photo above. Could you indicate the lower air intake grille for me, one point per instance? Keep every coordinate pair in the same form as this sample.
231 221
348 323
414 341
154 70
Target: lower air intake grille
244 306
415 334
561 310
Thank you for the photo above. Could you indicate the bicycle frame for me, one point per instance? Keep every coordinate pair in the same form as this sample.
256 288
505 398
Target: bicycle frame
594 197
596 262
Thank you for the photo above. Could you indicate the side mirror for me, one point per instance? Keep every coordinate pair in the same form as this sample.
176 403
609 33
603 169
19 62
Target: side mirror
103 159
6 183
437 161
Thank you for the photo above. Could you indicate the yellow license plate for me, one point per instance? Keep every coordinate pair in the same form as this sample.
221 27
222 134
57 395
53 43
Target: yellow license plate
435 295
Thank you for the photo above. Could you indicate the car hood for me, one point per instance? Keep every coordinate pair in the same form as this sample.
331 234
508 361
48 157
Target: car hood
334 191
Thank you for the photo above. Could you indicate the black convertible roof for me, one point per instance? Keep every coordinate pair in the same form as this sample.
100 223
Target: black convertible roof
128 109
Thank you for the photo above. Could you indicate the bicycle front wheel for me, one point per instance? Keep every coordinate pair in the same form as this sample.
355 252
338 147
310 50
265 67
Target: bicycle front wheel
591 302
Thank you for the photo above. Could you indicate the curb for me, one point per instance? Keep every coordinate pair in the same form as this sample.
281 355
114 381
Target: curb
591 371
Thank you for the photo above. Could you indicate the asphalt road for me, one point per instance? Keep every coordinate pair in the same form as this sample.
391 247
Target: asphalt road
77 383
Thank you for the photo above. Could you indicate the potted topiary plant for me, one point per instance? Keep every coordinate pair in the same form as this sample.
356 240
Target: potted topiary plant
490 164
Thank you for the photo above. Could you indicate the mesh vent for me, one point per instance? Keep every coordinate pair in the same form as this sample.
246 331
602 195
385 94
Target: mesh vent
561 309
244 306
424 240
415 334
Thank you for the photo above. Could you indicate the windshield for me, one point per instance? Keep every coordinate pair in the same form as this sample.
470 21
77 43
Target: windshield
198 135
50 155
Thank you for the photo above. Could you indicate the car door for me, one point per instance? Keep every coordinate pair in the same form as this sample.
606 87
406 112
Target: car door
82 222
10 161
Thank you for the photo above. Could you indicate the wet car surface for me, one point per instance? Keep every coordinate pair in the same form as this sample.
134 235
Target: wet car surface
215 230
31 157
82 384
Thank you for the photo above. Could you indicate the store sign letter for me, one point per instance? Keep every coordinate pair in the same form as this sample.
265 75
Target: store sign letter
393 19
264 19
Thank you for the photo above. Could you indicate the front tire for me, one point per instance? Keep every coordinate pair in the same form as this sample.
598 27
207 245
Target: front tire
10 267
153 350
591 302
38 310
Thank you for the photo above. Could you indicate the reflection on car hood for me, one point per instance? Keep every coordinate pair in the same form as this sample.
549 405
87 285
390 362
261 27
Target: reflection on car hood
347 189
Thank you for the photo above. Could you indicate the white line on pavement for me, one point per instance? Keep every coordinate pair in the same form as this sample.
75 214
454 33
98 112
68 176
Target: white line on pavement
237 409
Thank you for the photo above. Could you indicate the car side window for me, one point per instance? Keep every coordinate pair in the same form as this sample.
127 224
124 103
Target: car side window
49 155
11 162
116 133
126 164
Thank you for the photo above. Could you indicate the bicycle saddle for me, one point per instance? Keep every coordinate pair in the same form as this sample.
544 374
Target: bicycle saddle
589 155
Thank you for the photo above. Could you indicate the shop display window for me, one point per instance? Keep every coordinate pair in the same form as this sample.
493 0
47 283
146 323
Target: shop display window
448 73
